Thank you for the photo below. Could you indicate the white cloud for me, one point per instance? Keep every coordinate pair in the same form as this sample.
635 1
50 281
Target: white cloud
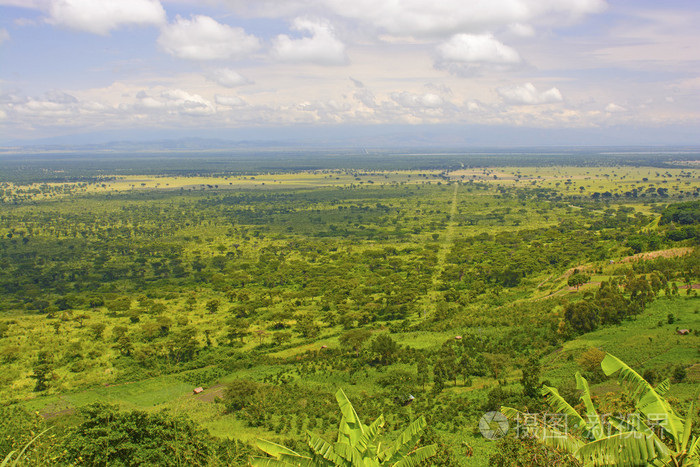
228 78
614 108
229 101
178 101
4 36
322 48
426 101
203 38
422 18
479 48
521 30
101 16
527 94
465 54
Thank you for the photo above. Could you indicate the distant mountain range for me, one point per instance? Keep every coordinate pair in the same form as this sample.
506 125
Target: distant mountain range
357 137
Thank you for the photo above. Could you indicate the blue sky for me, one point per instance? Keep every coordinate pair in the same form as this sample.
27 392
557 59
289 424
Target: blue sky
124 67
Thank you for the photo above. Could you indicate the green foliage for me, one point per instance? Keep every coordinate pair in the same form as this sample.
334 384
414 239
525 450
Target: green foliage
385 347
631 440
681 213
354 339
339 282
357 445
578 279
24 439
516 452
581 316
109 437
43 371
531 377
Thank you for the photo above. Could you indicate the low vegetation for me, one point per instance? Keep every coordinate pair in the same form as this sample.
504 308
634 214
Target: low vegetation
431 288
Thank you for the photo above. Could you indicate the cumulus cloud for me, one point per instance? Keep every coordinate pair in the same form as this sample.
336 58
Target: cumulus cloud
228 78
203 38
477 48
614 108
322 48
425 101
102 16
437 19
175 101
469 53
527 94
229 101
54 108
4 36
521 30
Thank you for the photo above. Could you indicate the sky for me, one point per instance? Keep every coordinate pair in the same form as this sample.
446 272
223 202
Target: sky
626 71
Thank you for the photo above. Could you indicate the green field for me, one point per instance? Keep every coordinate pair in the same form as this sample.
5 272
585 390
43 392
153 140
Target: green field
134 287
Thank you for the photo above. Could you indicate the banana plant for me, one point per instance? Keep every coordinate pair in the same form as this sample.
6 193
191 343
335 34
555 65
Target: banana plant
629 441
357 445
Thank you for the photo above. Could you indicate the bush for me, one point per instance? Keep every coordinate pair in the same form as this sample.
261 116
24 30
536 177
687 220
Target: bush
109 437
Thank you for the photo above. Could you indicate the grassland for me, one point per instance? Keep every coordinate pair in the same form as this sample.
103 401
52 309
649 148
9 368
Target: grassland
141 287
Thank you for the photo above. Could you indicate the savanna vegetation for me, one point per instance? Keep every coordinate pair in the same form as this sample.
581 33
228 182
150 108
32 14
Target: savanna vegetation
429 289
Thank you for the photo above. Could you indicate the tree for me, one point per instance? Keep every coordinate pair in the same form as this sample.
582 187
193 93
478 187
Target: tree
282 337
107 436
183 344
97 330
240 393
385 347
307 327
119 304
212 306
237 329
43 371
531 377
354 339
581 316
357 445
633 440
589 361
422 370
440 375
578 279
81 318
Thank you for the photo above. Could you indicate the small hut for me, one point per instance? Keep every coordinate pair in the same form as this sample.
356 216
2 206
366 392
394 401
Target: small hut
198 390
683 332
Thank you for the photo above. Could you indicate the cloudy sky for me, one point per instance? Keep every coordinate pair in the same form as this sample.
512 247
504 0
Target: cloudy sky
71 67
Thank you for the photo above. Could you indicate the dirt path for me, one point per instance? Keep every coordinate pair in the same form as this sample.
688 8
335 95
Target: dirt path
210 394
669 253
446 243
430 298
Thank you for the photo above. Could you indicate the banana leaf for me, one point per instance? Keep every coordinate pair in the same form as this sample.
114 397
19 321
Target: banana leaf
630 448
595 427
405 442
648 401
322 448
351 428
417 457
559 405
